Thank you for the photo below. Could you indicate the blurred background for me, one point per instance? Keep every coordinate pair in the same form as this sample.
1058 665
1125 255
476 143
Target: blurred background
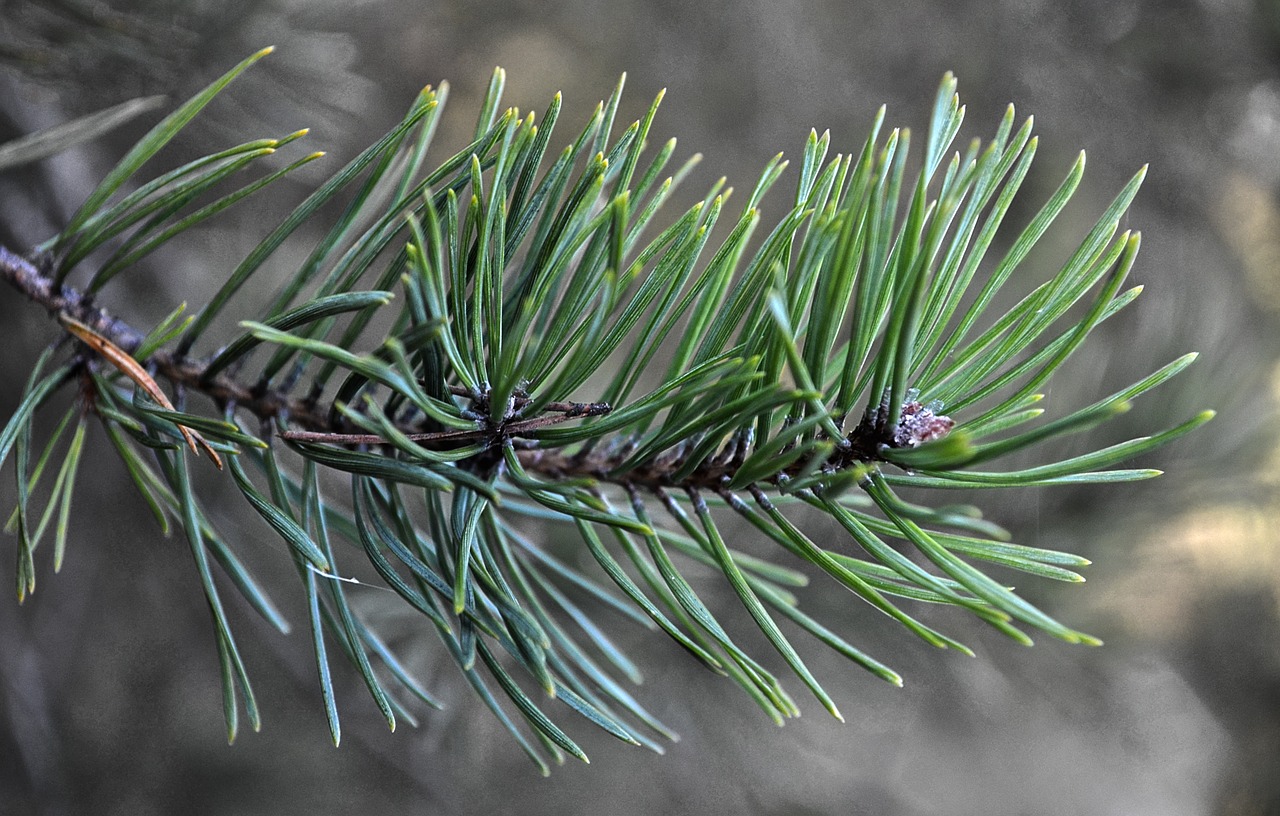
109 699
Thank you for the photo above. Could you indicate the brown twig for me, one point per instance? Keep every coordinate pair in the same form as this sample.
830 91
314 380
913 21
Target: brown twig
131 368
512 429
308 421
115 340
186 372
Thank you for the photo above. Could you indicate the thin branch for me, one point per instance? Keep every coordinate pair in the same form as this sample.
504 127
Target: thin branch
132 369
115 340
184 372
509 430
308 421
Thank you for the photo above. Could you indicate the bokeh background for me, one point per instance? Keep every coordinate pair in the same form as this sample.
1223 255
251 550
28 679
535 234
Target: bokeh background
109 700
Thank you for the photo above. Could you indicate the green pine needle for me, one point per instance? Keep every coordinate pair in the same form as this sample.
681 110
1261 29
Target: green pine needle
524 339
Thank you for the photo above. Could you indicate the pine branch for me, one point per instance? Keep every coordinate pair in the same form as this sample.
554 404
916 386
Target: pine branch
321 423
185 374
315 423
524 302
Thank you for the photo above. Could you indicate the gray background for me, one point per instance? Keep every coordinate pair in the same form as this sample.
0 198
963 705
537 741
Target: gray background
109 697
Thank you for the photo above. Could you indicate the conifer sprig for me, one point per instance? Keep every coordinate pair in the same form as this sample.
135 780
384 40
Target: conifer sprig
518 342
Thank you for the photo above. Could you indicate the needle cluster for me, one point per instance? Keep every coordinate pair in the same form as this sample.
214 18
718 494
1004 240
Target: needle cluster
553 352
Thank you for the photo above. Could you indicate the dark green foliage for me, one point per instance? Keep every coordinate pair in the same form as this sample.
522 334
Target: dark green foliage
515 305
